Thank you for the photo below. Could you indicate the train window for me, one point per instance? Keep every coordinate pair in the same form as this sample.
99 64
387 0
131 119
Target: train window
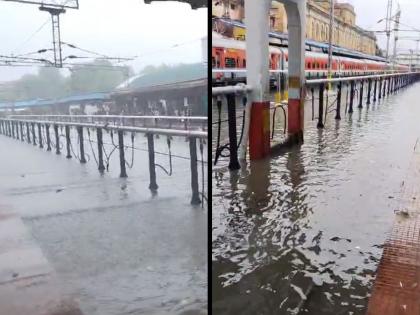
309 65
244 63
213 62
313 65
230 63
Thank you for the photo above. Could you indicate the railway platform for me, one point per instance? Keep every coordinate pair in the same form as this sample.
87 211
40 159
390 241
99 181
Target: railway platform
397 286
28 283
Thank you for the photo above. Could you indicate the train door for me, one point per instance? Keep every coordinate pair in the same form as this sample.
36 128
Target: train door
219 58
218 62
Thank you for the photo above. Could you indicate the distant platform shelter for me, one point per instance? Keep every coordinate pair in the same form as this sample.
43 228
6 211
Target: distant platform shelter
180 90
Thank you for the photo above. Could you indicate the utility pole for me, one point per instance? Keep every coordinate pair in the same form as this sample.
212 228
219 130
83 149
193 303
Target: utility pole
396 28
388 26
330 39
55 21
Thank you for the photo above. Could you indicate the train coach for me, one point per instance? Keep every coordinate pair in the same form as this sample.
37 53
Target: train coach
229 62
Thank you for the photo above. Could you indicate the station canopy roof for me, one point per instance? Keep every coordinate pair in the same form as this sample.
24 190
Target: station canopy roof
166 77
99 96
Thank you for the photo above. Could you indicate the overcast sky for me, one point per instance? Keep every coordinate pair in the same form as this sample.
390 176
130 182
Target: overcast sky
369 12
117 28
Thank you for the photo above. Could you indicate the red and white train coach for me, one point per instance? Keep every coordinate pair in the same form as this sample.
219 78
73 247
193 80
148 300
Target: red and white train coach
229 62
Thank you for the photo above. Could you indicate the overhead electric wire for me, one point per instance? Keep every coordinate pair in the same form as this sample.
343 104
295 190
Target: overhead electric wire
30 37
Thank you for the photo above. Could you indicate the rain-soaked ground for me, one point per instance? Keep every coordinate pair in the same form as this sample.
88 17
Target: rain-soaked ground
118 248
302 232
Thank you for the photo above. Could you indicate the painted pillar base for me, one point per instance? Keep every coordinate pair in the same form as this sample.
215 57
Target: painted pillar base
259 133
295 121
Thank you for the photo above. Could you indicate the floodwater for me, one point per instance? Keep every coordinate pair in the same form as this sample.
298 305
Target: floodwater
302 232
118 248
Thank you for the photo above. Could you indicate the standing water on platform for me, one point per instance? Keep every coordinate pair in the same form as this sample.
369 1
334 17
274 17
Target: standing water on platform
302 232
103 179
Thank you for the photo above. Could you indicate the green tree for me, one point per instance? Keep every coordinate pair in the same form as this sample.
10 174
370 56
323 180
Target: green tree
97 76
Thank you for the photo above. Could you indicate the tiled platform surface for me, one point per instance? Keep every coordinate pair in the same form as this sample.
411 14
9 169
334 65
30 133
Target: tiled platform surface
397 285
28 284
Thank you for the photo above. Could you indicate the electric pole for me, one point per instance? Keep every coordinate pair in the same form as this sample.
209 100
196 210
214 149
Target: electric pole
330 39
396 27
388 26
55 21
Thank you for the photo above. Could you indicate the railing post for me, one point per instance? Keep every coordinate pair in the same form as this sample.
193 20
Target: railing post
321 106
380 89
123 172
28 134
82 144
389 84
233 145
13 129
351 97
374 90
67 130
152 167
361 95
47 131
17 130
33 134
338 111
101 166
57 140
195 199
21 130
384 88
369 90
41 145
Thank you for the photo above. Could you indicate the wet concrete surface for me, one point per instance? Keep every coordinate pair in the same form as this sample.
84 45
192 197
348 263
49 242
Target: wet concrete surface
116 247
302 232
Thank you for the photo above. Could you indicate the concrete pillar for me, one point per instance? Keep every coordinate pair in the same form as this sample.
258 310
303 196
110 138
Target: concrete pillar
257 66
296 17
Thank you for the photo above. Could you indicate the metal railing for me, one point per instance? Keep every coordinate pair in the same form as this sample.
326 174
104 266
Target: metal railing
24 128
377 86
230 93
185 122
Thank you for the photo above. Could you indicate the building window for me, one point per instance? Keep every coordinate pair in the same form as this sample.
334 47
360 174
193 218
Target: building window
230 63
232 6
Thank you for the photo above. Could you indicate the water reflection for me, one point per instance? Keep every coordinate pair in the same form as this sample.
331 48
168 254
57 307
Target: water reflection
301 233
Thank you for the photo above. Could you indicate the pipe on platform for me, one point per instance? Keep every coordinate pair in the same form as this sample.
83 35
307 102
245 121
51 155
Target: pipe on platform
338 110
123 172
152 166
321 106
374 91
33 134
81 145
245 137
28 134
99 138
351 97
380 90
41 145
233 143
21 131
47 131
195 199
369 90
